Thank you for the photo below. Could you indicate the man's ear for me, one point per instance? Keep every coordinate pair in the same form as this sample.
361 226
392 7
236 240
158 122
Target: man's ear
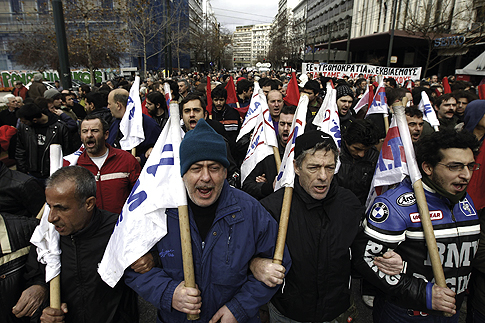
90 203
427 168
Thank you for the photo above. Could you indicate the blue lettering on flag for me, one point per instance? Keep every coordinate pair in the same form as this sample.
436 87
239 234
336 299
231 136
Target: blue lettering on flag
132 113
336 133
135 200
427 108
256 106
394 145
163 161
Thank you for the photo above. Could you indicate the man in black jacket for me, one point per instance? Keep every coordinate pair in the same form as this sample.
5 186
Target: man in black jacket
358 158
37 131
84 233
324 219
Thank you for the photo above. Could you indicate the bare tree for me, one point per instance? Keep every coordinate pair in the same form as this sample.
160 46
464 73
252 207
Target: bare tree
153 26
93 40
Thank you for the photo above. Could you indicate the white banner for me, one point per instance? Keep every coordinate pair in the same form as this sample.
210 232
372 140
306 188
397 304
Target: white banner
401 74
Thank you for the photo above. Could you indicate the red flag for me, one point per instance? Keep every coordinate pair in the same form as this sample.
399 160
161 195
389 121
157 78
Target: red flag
209 99
371 94
446 85
292 93
231 91
481 91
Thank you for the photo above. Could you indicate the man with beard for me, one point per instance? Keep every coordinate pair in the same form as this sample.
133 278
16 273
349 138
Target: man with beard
345 99
446 162
226 115
259 183
445 106
414 118
115 170
157 108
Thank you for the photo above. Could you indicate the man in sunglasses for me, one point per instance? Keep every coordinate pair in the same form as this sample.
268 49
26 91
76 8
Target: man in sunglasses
446 162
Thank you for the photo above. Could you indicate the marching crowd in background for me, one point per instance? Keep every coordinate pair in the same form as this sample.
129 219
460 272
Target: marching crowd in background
332 235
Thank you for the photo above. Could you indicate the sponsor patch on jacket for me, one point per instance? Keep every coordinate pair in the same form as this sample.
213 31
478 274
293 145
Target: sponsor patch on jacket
406 199
434 215
379 213
467 208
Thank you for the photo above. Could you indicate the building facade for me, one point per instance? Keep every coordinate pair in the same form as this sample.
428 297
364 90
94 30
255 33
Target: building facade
250 44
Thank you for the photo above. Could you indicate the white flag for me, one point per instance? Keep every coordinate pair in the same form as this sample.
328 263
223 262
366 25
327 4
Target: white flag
262 141
131 125
143 222
379 103
45 236
364 100
426 108
254 110
286 174
327 119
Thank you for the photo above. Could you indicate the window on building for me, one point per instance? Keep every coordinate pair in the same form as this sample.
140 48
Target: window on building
15 6
43 6
107 4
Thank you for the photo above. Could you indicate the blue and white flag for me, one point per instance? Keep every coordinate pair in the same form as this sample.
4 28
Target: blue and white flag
262 141
327 119
395 161
131 125
426 108
255 109
379 103
143 222
286 174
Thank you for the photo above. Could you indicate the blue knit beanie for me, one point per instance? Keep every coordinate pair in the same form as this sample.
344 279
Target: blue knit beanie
202 143
473 114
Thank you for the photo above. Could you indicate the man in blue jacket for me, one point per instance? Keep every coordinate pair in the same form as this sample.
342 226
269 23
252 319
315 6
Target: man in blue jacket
228 229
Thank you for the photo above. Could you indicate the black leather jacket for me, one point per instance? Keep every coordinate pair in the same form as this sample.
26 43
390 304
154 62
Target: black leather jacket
20 194
356 174
26 153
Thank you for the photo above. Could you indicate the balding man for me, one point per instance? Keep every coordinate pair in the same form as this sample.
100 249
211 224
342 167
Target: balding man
117 102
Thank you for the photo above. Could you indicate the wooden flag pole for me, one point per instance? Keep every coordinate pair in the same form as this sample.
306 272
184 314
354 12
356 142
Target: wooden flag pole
188 260
133 152
277 157
283 227
424 215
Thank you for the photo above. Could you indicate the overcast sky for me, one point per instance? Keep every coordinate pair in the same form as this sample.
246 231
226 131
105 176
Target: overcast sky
232 13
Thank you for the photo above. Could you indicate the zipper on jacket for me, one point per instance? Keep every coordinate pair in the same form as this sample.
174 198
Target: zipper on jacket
203 245
228 243
47 145
98 176
3 276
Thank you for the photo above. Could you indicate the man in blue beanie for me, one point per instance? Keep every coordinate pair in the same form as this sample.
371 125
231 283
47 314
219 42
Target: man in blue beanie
228 229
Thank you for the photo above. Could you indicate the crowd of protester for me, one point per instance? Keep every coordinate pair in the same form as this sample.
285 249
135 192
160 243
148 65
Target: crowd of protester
328 220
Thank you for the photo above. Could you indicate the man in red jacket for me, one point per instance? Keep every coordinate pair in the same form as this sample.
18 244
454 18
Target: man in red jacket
116 170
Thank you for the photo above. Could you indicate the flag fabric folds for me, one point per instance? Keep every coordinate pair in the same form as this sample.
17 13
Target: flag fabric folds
393 163
262 141
255 108
45 237
364 101
379 103
429 115
231 91
292 93
327 119
131 125
286 174
142 222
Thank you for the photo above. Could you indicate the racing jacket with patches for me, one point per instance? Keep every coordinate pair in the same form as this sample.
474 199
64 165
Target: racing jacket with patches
393 222
114 180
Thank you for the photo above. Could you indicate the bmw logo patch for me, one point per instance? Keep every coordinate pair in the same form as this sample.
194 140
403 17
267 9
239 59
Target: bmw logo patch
379 213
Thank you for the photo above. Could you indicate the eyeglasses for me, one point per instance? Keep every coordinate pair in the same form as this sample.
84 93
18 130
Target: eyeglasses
458 167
